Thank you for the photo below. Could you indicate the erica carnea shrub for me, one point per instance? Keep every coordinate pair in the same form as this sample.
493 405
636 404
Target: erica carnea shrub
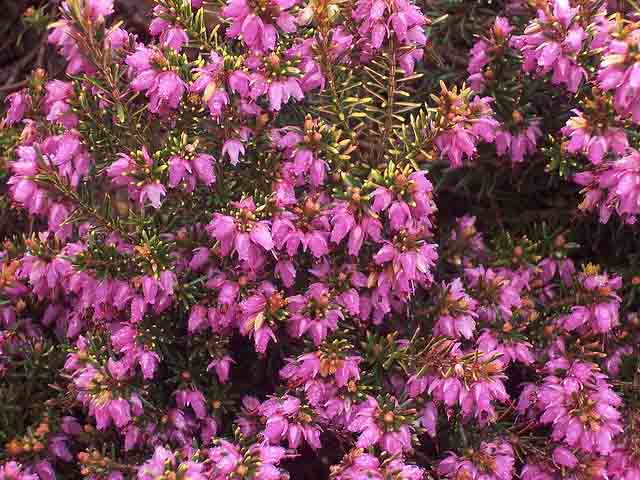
299 239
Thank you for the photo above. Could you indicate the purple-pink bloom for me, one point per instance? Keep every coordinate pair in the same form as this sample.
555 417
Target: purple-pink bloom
492 461
257 28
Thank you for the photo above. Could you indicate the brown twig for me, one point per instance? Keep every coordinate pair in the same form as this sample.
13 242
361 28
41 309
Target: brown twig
13 86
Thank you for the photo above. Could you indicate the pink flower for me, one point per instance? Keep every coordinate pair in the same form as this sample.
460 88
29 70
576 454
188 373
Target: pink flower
203 166
392 200
226 457
170 36
593 141
623 464
355 226
259 312
200 167
600 315
552 42
15 471
509 350
383 425
581 408
620 71
245 236
533 471
19 104
166 92
209 81
492 461
378 20
457 316
233 149
56 106
257 28
313 313
119 411
229 460
278 87
193 398
448 384
458 139
304 163
154 193
499 297
118 38
287 418
429 419
519 143
358 465
486 50
164 462
222 367
322 363
164 89
622 181
148 363
97 9
410 265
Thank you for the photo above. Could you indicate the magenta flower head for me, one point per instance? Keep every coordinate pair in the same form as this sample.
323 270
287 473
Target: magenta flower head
379 19
447 382
222 367
581 408
259 314
153 193
166 92
509 349
255 461
288 418
499 297
258 24
171 36
165 463
600 315
620 71
13 470
64 34
175 38
457 315
314 313
118 38
332 360
519 141
492 461
359 465
551 43
56 105
96 9
192 398
486 50
244 235
384 424
458 139
234 150
164 89
250 237
208 82
618 184
592 141
19 104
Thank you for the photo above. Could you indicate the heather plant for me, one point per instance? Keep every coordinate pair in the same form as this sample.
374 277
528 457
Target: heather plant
355 239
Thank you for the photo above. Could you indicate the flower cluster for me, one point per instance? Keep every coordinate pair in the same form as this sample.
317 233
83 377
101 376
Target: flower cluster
273 239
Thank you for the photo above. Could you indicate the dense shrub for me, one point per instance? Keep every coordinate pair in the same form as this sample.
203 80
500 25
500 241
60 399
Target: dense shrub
355 239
